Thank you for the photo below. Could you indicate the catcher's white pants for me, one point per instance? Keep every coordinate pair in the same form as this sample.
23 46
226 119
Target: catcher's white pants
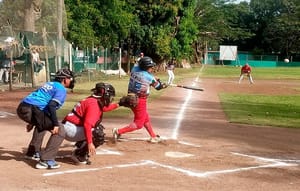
69 132
171 76
73 133
249 77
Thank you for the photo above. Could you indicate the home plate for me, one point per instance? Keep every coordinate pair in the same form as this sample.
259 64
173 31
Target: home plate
178 154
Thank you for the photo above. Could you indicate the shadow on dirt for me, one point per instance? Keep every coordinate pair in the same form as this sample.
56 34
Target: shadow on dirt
6 155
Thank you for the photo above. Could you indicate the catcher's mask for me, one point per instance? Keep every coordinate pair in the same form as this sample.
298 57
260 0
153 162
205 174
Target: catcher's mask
104 91
62 74
146 62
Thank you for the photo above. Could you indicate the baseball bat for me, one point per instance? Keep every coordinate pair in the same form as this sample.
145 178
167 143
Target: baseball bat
187 87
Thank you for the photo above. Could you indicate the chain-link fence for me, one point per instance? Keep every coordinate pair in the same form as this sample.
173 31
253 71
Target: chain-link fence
213 57
34 28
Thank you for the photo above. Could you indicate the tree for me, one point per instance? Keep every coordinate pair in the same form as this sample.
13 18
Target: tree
276 25
31 15
284 33
220 22
104 23
32 11
167 28
158 25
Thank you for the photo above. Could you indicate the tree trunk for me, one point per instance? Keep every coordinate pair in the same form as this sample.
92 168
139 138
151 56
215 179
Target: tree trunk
31 14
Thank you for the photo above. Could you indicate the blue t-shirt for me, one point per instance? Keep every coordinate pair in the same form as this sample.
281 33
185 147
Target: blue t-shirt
140 81
49 91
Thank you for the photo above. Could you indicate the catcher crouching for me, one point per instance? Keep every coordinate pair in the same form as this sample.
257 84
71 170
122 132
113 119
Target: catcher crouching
83 126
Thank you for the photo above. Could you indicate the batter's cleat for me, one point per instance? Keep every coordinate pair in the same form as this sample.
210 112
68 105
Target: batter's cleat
115 133
36 156
155 139
47 164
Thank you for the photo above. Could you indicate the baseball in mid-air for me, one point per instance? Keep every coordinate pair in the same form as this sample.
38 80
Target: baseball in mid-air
286 60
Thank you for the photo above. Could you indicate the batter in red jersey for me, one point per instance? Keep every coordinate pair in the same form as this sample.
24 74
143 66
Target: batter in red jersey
141 80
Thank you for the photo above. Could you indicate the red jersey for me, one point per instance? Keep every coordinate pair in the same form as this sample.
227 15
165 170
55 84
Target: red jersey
86 113
246 69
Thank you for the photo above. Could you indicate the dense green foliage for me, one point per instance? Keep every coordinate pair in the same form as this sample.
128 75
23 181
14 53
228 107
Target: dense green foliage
162 29
185 28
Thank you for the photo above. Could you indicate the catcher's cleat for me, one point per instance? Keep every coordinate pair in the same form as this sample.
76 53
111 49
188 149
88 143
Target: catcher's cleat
155 139
80 159
35 156
115 133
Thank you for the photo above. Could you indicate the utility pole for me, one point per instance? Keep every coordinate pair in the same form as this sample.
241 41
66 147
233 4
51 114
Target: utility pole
206 35
59 32
44 35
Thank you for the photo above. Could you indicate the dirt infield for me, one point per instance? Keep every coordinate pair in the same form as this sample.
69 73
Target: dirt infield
201 149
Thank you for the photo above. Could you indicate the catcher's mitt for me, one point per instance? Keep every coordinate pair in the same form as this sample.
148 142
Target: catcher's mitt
131 100
98 135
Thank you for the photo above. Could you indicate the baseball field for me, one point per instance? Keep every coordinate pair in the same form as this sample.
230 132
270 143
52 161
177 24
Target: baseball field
212 140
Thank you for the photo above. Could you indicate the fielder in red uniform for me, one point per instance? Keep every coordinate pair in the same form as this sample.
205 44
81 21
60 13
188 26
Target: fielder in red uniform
246 70
141 80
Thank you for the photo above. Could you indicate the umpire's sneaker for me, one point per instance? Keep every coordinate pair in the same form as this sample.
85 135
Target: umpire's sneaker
47 164
115 133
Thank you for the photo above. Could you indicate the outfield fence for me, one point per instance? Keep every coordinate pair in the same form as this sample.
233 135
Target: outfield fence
254 60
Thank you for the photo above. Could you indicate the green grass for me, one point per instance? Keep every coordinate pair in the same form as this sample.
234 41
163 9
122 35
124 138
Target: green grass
257 72
240 108
281 111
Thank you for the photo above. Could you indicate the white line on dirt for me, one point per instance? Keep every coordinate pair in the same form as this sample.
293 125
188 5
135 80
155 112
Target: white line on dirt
107 152
98 152
189 144
273 164
4 114
268 159
141 163
180 115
